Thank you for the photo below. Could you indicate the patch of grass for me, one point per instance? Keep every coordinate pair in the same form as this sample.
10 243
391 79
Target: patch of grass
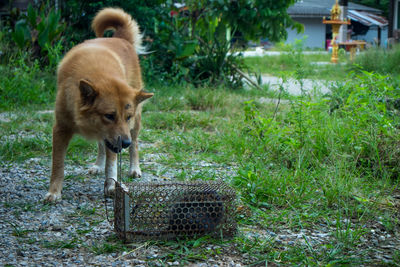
380 60
61 244
22 149
292 61
26 135
23 83
180 120
206 98
20 232
27 206
108 247
85 211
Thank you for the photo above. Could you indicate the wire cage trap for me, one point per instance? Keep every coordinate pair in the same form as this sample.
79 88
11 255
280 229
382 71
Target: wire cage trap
166 210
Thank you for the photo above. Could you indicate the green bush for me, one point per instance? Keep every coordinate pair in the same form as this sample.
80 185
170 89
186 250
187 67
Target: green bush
360 134
25 84
39 32
384 61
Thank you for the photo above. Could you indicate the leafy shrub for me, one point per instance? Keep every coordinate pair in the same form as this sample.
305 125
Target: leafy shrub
23 84
360 133
370 105
40 32
384 61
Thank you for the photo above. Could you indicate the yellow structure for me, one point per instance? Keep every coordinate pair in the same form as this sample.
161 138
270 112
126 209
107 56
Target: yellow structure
336 23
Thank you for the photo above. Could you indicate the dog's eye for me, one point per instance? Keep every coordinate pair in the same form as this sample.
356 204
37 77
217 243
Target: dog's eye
110 117
128 118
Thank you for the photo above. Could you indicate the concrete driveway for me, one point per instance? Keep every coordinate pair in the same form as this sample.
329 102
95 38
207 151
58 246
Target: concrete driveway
294 87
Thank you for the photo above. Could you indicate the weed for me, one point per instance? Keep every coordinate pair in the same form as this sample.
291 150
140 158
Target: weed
107 247
23 84
57 244
383 61
83 211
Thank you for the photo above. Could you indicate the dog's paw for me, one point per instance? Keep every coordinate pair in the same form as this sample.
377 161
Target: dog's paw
109 187
95 169
52 197
135 172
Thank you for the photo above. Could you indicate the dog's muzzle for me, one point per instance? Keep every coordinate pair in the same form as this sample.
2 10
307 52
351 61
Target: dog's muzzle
124 143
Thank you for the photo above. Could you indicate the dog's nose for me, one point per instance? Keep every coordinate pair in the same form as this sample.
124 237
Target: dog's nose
126 143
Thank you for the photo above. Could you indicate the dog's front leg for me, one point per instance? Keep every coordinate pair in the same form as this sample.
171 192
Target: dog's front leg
101 159
134 168
61 138
111 172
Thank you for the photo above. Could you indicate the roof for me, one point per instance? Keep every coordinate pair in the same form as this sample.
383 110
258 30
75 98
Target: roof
367 18
321 8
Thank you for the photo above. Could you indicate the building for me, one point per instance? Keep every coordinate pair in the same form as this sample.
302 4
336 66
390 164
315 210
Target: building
366 23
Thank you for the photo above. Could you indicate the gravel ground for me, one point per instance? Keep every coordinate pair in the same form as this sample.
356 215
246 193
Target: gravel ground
71 233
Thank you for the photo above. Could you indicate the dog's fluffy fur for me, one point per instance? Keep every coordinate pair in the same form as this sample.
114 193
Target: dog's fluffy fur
99 96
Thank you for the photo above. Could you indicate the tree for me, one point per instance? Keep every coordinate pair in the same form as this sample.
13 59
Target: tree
192 41
214 23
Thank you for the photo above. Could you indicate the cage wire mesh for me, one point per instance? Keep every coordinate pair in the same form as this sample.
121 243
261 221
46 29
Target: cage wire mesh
166 210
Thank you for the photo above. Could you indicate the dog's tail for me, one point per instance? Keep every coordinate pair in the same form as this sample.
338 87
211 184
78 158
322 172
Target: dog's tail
123 25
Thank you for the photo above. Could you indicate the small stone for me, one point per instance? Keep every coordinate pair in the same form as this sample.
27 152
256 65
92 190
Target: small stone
56 228
137 262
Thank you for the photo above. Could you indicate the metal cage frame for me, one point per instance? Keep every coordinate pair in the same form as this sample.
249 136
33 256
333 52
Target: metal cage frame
172 209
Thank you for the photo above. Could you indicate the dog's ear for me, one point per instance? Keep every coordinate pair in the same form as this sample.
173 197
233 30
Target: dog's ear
88 93
142 95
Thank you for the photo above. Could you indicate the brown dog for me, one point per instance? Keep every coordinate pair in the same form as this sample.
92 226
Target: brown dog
99 96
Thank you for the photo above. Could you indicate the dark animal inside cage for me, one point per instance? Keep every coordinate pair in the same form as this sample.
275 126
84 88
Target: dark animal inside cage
199 211
165 210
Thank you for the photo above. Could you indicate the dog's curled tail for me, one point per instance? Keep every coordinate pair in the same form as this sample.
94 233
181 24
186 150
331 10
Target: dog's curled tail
123 25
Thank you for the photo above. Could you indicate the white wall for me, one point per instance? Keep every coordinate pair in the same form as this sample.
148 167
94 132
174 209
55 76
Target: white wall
313 28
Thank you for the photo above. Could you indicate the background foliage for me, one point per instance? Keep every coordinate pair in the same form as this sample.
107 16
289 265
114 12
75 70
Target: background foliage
188 42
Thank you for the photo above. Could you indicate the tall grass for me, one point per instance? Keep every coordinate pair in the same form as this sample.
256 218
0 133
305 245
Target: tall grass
23 82
312 146
385 61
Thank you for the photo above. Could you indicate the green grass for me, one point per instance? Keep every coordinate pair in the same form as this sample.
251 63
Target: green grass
23 83
309 164
385 61
292 61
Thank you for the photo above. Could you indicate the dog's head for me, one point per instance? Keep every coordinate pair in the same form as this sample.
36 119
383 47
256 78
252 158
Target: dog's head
108 109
